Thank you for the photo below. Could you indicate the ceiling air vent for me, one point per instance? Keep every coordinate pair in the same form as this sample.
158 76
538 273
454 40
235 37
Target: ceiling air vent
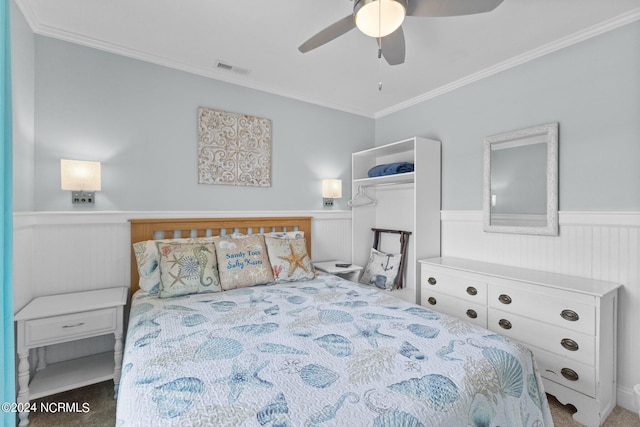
224 66
220 65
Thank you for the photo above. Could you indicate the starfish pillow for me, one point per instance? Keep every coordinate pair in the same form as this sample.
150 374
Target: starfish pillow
289 259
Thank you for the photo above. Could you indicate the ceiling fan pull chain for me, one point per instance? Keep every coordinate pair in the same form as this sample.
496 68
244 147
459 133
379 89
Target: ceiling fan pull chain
379 45
380 63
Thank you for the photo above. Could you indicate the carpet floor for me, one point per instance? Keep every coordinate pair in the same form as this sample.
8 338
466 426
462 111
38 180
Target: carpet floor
102 410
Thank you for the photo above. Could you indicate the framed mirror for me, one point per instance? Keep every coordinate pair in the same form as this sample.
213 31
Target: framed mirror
521 181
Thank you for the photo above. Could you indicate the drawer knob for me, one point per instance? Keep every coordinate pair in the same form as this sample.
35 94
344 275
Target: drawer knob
569 315
505 299
472 314
74 326
472 291
504 324
569 374
432 301
432 280
569 344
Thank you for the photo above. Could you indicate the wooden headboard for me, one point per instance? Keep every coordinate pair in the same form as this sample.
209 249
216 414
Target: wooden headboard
169 228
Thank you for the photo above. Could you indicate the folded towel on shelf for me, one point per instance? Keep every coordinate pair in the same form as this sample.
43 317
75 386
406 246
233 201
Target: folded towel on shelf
390 169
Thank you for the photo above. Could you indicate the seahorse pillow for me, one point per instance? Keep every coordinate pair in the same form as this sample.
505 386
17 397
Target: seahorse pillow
289 259
148 260
381 270
243 262
188 268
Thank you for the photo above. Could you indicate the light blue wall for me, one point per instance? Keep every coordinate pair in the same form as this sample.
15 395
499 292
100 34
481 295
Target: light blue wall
140 121
592 89
22 82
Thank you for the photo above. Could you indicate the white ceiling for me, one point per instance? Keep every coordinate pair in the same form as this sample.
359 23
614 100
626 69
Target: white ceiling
262 37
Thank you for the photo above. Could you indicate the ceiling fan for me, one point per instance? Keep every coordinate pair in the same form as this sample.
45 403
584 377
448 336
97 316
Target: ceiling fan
383 19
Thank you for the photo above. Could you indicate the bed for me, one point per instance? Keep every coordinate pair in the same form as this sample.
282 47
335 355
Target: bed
318 352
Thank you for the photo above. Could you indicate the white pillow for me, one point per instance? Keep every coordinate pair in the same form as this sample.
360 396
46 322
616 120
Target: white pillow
285 234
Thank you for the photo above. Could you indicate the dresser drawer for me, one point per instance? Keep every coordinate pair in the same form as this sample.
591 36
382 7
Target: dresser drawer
563 342
557 311
566 372
474 313
50 330
472 290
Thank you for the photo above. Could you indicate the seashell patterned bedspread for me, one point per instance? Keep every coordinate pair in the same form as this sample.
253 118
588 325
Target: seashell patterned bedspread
325 352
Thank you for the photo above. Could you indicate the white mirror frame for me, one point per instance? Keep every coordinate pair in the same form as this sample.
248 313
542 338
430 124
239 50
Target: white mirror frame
550 133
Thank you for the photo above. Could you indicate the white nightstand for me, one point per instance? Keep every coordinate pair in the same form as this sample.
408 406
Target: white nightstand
62 318
351 273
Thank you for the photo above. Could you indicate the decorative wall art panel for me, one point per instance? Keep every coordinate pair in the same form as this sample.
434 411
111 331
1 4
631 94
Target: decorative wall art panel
233 148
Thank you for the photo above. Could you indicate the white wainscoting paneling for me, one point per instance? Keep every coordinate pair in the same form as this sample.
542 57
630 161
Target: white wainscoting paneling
331 238
61 252
56 252
23 261
596 245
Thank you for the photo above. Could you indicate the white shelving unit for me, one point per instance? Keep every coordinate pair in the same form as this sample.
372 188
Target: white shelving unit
406 201
401 178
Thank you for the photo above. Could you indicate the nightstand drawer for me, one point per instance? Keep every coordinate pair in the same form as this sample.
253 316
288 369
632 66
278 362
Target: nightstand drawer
51 330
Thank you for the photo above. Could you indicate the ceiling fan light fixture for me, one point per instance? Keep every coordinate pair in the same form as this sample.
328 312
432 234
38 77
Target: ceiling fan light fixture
379 18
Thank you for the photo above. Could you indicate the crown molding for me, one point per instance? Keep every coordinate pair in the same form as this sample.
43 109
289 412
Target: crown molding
580 36
28 13
239 80
601 28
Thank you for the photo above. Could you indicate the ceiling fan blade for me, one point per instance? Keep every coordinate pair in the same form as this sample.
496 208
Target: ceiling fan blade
393 47
333 31
450 7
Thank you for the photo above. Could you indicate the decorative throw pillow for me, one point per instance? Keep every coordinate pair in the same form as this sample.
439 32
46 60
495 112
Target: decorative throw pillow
381 270
289 259
148 260
188 268
243 262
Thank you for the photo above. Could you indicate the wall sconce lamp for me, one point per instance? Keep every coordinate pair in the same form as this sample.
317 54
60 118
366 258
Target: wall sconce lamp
331 189
82 178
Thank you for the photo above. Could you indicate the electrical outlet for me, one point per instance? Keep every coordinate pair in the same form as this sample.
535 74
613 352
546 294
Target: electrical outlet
83 197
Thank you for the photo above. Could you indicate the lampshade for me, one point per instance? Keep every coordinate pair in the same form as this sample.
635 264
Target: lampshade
332 188
80 175
379 18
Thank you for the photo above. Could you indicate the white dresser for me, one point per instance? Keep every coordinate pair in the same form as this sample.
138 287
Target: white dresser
568 322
